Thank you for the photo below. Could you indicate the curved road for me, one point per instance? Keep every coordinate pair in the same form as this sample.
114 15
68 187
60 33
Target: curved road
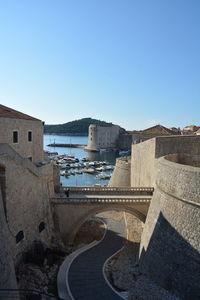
86 280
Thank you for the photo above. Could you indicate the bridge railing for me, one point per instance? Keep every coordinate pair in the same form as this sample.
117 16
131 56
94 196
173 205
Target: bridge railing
110 190
144 200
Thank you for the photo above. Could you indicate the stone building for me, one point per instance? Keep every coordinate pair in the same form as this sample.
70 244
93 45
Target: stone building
26 184
22 132
149 133
102 137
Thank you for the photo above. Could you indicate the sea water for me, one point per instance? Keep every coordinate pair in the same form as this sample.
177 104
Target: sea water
79 179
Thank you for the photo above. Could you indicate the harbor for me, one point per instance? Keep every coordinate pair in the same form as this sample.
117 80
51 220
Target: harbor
77 166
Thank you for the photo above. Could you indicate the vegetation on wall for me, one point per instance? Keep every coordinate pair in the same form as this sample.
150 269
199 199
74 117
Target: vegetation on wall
77 127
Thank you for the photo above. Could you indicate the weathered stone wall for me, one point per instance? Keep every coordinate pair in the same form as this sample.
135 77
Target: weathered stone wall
177 144
25 148
170 248
144 155
125 141
7 272
26 201
139 138
142 164
100 137
121 173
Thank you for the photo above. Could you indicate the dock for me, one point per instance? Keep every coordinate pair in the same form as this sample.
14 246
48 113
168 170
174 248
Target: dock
67 145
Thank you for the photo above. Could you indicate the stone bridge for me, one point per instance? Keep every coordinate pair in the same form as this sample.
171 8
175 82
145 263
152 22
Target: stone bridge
84 202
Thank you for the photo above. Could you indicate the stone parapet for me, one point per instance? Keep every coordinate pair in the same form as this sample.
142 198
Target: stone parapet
177 179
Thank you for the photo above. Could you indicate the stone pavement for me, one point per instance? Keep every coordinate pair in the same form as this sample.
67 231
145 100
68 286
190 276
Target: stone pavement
86 280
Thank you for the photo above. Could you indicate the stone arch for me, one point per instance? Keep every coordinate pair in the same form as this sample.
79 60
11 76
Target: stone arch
95 210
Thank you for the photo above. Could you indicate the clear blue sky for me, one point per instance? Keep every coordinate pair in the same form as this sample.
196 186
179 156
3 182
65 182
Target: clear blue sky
135 63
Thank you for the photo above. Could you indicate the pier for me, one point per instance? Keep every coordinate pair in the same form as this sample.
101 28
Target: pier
67 145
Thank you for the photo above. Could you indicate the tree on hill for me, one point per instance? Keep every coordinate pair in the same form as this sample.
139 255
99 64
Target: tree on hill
74 127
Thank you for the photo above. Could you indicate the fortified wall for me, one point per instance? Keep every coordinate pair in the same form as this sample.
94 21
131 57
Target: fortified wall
27 183
26 190
121 173
170 248
100 137
7 270
144 155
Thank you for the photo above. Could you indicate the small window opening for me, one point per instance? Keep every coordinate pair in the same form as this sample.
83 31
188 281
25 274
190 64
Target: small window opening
30 136
19 237
41 226
15 137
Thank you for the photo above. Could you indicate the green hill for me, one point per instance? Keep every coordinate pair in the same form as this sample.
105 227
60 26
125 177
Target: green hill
77 127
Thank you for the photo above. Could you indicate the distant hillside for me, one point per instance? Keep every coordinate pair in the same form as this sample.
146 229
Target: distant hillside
77 127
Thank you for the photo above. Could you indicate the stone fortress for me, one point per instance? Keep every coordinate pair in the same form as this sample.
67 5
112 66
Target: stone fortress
169 249
114 137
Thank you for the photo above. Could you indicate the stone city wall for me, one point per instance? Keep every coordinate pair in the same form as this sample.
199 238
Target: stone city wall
170 249
7 271
121 173
143 172
26 202
125 141
26 149
142 164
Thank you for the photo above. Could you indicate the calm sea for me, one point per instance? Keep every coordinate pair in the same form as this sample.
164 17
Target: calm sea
78 179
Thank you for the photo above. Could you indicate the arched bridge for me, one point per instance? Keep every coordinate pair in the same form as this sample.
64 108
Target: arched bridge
83 202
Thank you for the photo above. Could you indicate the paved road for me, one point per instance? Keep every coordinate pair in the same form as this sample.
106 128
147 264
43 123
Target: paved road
86 279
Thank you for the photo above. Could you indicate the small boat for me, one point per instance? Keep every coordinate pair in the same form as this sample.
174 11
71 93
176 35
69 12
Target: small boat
62 173
101 169
110 167
85 159
79 172
103 176
89 170
70 156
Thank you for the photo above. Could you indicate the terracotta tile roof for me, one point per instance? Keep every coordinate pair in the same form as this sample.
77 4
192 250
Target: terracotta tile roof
7 112
158 129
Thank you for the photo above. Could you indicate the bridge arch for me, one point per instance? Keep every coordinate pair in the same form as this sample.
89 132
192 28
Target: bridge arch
94 211
69 218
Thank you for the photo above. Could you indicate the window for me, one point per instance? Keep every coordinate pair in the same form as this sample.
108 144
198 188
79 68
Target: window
30 136
15 137
41 227
30 158
19 237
